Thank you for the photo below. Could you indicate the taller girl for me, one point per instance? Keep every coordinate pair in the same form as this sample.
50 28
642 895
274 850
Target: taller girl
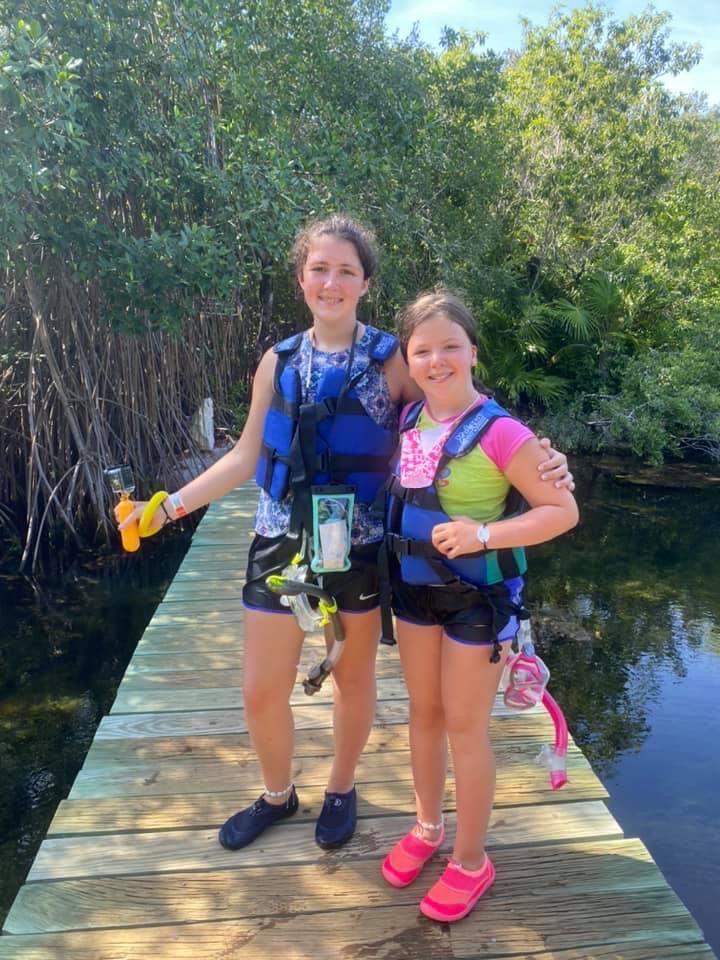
324 409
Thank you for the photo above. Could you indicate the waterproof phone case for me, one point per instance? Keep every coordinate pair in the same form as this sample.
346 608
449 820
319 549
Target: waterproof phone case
332 528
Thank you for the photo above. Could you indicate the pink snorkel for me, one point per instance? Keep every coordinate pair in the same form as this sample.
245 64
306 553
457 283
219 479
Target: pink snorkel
525 679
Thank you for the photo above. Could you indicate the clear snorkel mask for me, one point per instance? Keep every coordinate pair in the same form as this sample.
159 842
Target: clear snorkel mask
524 680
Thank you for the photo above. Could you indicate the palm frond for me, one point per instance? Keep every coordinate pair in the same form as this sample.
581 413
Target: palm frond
602 297
579 324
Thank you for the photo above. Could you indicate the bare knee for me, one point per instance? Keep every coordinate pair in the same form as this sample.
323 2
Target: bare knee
427 715
265 694
354 685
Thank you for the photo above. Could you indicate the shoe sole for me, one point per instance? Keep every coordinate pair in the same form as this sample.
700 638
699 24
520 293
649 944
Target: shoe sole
395 881
334 844
247 843
432 914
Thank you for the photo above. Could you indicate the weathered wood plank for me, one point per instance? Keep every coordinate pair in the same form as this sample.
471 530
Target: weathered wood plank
211 569
579 868
290 842
170 630
202 604
308 714
177 671
500 926
153 813
210 594
308 743
129 699
166 778
199 722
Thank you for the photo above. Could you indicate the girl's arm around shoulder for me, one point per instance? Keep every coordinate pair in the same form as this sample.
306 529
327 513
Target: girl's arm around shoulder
552 511
402 389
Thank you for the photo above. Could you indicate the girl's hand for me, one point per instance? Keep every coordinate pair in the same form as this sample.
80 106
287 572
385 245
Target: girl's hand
158 521
457 537
555 467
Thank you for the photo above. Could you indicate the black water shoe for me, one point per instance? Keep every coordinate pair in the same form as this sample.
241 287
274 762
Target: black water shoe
336 823
243 827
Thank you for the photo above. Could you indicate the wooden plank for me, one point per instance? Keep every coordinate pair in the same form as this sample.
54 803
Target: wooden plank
501 926
153 813
223 670
166 778
129 699
210 593
289 842
167 625
199 722
308 714
204 605
308 743
204 571
149 662
92 946
578 868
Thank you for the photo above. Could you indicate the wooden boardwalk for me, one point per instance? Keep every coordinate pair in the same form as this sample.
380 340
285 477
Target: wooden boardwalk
131 868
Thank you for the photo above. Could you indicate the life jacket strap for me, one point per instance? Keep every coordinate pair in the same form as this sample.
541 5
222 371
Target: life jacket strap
423 497
286 407
406 547
271 457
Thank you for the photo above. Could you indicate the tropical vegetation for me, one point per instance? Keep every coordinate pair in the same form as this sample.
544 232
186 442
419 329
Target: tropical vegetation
159 155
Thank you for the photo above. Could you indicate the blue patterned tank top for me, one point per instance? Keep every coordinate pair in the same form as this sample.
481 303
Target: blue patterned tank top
273 516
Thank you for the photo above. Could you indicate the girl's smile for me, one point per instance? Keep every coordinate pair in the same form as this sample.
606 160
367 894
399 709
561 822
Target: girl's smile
441 359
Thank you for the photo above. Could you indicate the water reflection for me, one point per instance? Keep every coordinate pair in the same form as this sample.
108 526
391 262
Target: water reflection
638 673
639 577
66 645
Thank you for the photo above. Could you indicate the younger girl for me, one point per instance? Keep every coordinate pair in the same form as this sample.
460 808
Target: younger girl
324 410
456 570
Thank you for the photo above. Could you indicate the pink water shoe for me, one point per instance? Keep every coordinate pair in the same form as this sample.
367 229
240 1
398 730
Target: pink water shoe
457 891
407 858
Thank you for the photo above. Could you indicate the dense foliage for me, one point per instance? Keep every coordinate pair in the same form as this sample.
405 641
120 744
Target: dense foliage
159 156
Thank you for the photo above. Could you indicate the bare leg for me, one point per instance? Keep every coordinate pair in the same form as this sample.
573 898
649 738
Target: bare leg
469 685
420 654
355 693
272 649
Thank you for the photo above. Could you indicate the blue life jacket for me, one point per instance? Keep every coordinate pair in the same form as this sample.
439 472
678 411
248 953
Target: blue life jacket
412 514
332 440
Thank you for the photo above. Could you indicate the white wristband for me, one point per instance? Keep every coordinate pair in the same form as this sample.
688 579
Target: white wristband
178 506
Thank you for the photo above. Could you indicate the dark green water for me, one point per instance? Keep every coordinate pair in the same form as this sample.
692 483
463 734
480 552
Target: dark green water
641 687
634 651
64 647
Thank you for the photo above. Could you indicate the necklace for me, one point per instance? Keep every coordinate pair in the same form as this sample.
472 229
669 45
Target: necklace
453 418
311 351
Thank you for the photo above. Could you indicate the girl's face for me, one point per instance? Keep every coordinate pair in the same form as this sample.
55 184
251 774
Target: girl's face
332 279
441 357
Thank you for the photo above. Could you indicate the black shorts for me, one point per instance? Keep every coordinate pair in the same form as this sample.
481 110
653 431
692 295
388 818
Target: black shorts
465 614
356 590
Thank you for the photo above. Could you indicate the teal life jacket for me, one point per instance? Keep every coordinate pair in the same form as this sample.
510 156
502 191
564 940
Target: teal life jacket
411 515
332 440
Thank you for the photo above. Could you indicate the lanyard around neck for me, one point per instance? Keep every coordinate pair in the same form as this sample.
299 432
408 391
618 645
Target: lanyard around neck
311 352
